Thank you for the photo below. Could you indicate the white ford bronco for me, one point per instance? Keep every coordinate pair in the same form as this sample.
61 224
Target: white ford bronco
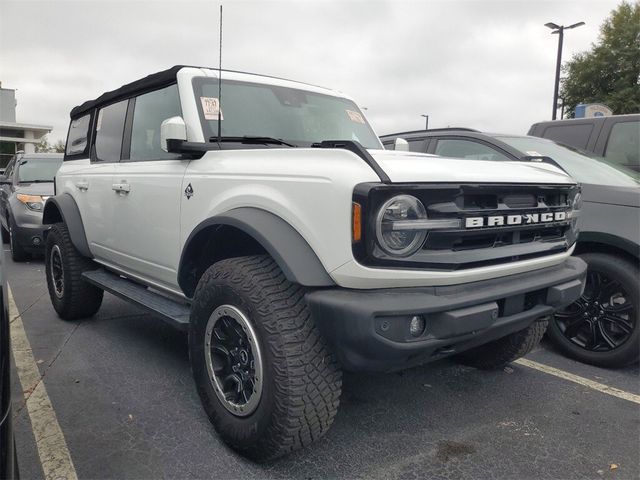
263 217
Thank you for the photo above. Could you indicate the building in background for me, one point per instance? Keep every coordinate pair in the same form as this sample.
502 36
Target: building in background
16 136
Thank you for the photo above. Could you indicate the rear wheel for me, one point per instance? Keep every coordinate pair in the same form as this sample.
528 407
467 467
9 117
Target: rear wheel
505 350
601 327
266 378
72 297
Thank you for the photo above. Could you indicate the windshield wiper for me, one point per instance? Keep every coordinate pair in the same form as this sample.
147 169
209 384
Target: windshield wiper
35 181
253 140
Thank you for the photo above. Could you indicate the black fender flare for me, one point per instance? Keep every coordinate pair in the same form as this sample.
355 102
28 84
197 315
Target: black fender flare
287 247
63 208
605 238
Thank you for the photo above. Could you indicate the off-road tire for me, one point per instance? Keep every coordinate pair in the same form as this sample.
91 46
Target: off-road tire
301 377
497 354
628 274
80 299
18 253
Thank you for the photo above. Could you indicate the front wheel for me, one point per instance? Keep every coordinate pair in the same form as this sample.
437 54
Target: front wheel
266 378
72 297
505 350
601 327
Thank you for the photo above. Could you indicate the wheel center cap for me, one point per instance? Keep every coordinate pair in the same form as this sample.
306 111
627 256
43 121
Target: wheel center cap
244 357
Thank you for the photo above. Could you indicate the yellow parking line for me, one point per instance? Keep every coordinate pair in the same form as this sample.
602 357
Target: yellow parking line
600 387
52 448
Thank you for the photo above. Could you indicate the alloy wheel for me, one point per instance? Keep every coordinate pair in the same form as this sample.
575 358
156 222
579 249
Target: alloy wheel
57 271
234 360
602 319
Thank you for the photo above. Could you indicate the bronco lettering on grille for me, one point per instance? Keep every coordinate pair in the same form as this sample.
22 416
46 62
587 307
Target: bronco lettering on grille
524 219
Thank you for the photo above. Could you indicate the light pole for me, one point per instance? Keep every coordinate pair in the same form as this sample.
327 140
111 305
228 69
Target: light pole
559 29
426 127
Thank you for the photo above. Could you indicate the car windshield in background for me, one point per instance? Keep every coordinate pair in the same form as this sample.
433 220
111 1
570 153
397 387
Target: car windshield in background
32 170
294 116
582 168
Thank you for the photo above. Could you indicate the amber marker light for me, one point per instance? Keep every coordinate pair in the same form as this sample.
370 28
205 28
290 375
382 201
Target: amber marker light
356 219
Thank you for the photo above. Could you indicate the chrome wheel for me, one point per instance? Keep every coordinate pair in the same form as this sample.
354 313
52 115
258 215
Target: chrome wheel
234 360
602 319
57 271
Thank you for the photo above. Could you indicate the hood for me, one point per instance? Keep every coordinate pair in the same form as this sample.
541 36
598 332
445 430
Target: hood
45 189
419 167
613 195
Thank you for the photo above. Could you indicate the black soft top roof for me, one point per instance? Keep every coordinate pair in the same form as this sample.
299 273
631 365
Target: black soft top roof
150 82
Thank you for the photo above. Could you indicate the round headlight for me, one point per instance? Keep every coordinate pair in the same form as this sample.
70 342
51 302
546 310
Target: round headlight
394 239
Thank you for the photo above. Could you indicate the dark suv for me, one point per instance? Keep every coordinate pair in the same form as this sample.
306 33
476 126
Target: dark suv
25 186
615 138
602 326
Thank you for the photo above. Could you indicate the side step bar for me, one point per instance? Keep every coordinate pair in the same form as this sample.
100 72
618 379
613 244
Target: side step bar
171 311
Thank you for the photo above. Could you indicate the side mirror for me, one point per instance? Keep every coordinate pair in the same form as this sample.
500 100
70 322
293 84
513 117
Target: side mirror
401 144
172 128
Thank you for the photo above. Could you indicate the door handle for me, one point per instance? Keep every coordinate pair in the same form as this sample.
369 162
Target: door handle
82 186
121 187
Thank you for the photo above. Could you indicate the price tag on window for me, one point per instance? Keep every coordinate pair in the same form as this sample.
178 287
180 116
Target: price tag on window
211 108
355 116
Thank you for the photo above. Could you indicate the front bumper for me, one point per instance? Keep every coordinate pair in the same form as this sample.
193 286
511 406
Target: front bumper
369 329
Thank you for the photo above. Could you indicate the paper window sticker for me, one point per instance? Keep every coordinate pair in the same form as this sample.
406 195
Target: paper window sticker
355 116
211 107
99 122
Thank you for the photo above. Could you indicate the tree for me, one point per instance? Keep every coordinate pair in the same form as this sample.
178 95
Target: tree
59 147
609 73
43 146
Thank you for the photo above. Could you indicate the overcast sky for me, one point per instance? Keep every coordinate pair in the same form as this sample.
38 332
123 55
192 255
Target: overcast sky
481 64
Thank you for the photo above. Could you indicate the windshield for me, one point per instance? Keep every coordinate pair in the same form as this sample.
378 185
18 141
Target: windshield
295 116
582 168
38 169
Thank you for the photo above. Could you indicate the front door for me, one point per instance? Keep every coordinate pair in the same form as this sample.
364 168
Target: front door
146 191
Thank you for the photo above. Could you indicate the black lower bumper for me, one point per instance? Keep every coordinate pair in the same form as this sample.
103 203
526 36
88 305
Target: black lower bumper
30 238
369 329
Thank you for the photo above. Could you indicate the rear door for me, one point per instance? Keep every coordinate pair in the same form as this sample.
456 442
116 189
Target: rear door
146 192
90 178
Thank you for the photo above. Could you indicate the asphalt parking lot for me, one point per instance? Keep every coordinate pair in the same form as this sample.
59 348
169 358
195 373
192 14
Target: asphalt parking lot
121 390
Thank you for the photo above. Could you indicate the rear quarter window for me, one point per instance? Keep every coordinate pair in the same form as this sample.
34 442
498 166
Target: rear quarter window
623 145
78 137
574 135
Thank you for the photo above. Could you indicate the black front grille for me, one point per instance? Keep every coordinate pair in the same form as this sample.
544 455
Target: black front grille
463 247
458 240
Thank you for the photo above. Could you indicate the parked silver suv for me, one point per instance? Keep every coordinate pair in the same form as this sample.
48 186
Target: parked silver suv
25 186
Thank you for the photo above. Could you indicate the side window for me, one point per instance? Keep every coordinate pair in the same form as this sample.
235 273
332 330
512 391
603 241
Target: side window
109 131
417 145
78 135
576 134
623 146
389 146
150 110
468 149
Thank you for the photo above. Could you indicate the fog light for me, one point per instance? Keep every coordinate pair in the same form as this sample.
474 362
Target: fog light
416 326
